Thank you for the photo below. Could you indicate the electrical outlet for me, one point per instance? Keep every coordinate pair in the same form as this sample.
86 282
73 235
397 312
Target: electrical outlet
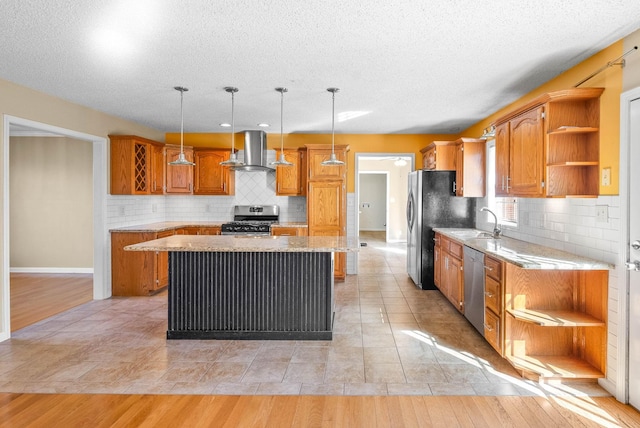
602 213
606 176
121 210
154 208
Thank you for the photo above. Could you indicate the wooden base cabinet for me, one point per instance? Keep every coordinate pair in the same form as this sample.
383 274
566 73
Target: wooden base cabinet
493 307
137 273
556 322
288 231
451 274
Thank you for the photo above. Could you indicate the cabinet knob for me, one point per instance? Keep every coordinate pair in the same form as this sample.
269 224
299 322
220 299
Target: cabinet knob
489 294
489 328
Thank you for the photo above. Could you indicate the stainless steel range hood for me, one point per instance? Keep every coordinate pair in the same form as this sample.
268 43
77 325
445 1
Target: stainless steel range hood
255 152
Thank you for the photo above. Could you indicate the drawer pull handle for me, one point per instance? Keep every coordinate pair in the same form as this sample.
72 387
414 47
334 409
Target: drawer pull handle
489 268
488 327
489 294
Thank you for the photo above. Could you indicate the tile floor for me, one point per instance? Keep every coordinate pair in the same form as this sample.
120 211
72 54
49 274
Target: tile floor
390 339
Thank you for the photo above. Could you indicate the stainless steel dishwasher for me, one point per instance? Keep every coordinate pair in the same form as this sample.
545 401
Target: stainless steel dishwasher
474 287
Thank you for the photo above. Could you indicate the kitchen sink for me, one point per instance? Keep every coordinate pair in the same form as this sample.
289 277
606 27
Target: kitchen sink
472 234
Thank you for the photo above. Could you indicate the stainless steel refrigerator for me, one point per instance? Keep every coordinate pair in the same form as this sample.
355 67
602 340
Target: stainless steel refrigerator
432 203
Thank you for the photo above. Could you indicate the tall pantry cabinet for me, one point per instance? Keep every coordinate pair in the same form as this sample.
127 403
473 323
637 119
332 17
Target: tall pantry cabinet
327 198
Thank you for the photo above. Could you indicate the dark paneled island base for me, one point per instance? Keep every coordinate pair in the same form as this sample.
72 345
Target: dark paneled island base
250 295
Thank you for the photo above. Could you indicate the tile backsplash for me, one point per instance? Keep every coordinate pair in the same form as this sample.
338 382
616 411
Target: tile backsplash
255 187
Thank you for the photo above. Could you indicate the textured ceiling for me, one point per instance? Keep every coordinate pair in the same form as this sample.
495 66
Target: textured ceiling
411 66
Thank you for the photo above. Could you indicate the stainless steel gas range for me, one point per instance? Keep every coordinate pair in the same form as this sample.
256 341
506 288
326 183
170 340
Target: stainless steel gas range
252 220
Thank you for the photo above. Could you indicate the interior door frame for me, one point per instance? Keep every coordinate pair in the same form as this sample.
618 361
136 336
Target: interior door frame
101 262
358 157
622 357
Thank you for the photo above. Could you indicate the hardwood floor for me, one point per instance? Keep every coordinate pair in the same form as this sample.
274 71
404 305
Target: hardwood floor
35 297
76 410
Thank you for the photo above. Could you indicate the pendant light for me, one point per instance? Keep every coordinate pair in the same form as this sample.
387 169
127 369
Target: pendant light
332 161
233 157
281 161
181 159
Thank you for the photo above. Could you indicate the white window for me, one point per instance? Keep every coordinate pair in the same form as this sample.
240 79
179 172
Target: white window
506 208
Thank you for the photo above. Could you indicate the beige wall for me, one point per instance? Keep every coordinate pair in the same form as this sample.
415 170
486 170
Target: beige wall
631 71
25 103
51 203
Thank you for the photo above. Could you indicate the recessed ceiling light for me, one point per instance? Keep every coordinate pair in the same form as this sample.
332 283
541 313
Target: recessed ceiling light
225 125
264 125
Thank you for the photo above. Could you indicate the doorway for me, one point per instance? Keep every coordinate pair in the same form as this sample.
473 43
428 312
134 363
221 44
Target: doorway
396 167
372 202
98 228
628 376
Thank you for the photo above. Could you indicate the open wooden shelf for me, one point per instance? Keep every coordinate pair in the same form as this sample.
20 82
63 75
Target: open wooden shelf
573 130
553 366
574 163
555 318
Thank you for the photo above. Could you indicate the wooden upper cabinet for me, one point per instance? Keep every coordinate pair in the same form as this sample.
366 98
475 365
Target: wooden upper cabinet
317 153
292 180
470 167
158 168
179 178
131 170
439 155
502 185
211 178
552 144
526 157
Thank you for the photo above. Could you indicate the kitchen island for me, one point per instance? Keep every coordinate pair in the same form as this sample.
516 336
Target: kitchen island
250 287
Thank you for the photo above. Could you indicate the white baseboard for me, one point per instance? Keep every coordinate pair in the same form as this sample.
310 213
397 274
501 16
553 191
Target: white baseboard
50 270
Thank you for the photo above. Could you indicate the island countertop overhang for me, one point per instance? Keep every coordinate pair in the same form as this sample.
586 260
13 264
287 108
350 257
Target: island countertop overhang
244 243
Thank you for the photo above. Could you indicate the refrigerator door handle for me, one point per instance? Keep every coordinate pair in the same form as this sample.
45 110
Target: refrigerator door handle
410 211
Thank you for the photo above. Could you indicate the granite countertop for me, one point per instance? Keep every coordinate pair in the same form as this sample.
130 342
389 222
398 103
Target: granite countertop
523 254
167 225
245 243
170 225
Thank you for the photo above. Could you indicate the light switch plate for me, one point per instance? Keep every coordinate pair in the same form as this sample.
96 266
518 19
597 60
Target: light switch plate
602 213
606 176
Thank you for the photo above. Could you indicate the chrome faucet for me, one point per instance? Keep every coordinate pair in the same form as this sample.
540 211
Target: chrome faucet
496 229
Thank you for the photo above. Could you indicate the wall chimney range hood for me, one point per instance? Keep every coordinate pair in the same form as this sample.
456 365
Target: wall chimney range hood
255 152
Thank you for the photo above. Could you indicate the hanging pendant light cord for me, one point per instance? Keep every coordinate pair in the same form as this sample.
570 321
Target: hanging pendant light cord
333 120
181 121
333 161
233 125
282 120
